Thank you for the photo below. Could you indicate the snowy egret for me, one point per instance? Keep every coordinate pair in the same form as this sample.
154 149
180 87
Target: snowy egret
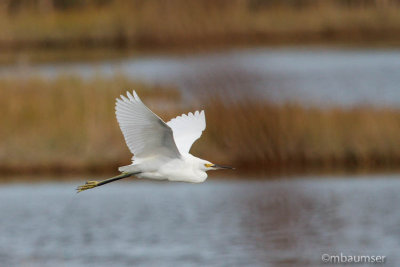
161 150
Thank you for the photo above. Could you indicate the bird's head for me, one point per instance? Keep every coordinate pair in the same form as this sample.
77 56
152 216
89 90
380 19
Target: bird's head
208 166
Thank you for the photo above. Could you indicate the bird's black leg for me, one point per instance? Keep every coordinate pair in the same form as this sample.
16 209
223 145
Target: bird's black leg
93 184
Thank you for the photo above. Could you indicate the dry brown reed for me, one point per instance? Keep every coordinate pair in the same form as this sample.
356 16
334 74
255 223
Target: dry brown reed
68 125
291 137
65 124
181 23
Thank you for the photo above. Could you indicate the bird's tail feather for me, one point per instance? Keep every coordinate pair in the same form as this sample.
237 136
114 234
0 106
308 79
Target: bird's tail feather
127 168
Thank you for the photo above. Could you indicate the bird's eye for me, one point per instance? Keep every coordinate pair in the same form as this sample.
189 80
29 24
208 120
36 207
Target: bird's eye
208 165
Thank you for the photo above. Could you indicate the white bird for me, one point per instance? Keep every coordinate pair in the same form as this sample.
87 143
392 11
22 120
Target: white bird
161 150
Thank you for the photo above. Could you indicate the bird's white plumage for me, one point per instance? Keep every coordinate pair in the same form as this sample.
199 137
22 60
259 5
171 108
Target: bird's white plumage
187 129
161 150
145 133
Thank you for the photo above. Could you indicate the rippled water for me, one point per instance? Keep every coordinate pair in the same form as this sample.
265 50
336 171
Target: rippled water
218 223
311 76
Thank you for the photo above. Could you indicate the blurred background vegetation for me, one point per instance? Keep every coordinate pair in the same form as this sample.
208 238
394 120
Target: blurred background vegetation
66 124
28 24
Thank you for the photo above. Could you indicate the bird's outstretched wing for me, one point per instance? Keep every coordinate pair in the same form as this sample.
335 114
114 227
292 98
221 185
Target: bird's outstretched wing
187 129
145 133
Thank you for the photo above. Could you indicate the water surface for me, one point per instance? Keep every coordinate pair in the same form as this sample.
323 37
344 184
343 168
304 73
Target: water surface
309 76
218 223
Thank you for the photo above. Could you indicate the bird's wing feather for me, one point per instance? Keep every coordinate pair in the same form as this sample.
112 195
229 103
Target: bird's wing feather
187 129
145 133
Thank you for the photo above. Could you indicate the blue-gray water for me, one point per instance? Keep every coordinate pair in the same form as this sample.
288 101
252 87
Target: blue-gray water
313 76
218 223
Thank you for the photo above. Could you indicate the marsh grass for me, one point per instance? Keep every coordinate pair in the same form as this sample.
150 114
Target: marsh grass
291 137
67 125
180 23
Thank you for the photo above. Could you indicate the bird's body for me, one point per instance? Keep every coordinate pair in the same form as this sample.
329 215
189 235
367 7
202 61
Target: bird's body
183 169
177 170
161 150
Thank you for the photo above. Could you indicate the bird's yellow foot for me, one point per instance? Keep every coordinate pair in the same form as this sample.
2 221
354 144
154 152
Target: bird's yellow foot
88 185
